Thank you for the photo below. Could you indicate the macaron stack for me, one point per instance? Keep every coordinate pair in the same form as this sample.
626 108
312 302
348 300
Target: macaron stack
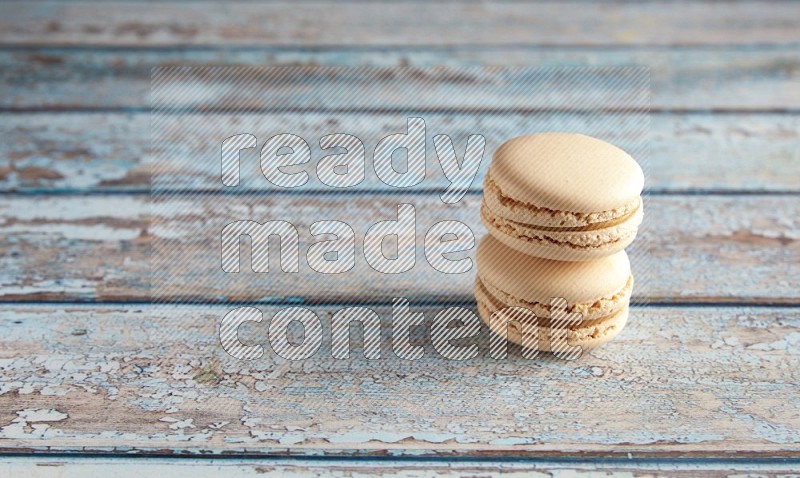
560 209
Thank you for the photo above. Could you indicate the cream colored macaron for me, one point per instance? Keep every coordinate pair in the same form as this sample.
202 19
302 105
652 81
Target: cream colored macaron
598 290
563 196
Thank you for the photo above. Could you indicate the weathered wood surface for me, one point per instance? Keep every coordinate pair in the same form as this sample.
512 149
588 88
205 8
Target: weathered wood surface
121 467
95 248
712 384
442 88
678 382
406 23
73 152
754 78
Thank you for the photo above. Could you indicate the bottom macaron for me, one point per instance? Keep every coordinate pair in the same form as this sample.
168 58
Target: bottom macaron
585 303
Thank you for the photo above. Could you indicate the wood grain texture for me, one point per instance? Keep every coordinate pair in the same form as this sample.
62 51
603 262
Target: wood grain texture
678 382
95 248
122 467
752 78
406 23
692 387
75 152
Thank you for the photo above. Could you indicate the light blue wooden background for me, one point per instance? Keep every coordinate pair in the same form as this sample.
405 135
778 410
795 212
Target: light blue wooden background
705 380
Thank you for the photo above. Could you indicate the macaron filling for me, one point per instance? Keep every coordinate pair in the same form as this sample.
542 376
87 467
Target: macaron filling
590 311
527 213
621 230
587 333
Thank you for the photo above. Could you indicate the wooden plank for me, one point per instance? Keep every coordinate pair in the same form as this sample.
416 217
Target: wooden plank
106 151
681 382
443 88
752 78
95 248
407 23
121 467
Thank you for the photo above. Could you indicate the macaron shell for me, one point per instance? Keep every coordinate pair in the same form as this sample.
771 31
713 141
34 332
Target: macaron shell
535 279
563 244
567 172
587 335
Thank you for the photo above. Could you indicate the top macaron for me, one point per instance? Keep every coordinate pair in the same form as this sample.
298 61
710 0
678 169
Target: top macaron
563 196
